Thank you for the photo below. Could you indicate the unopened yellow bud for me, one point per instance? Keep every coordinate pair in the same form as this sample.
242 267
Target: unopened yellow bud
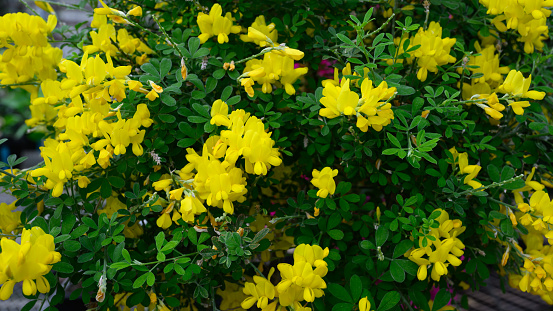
183 69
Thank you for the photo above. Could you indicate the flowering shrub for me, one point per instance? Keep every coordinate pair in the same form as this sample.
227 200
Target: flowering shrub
337 155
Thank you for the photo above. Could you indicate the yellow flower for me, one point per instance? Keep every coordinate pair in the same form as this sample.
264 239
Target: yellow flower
364 304
214 24
260 32
338 100
314 255
136 11
324 180
27 262
515 84
261 292
9 218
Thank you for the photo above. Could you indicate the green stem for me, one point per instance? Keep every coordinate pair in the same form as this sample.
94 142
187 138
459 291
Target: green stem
381 27
29 7
257 270
69 6
275 220
158 261
495 184
213 300
264 51
19 84
9 174
9 235
167 37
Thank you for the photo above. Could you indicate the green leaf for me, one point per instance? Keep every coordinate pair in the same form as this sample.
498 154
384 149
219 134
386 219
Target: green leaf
339 292
193 44
126 255
186 142
397 272
345 39
165 67
342 307
507 173
389 301
393 139
260 235
336 234
116 181
402 248
150 279
140 280
494 173
149 68
71 245
160 239
192 236
366 244
355 287
441 300
63 267
227 91
167 118
168 99
381 235
85 257
105 189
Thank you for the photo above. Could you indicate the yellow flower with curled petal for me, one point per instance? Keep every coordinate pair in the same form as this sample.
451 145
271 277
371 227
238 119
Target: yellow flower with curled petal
58 165
300 278
27 262
261 292
515 84
313 254
261 32
214 24
189 207
219 113
338 100
324 180
257 148
471 170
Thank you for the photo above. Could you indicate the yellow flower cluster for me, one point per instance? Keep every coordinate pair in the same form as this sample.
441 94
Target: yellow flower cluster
324 180
277 67
528 17
536 275
444 250
517 86
182 200
9 219
246 136
433 51
27 262
215 24
514 86
77 107
372 109
486 63
27 53
217 180
302 281
108 40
